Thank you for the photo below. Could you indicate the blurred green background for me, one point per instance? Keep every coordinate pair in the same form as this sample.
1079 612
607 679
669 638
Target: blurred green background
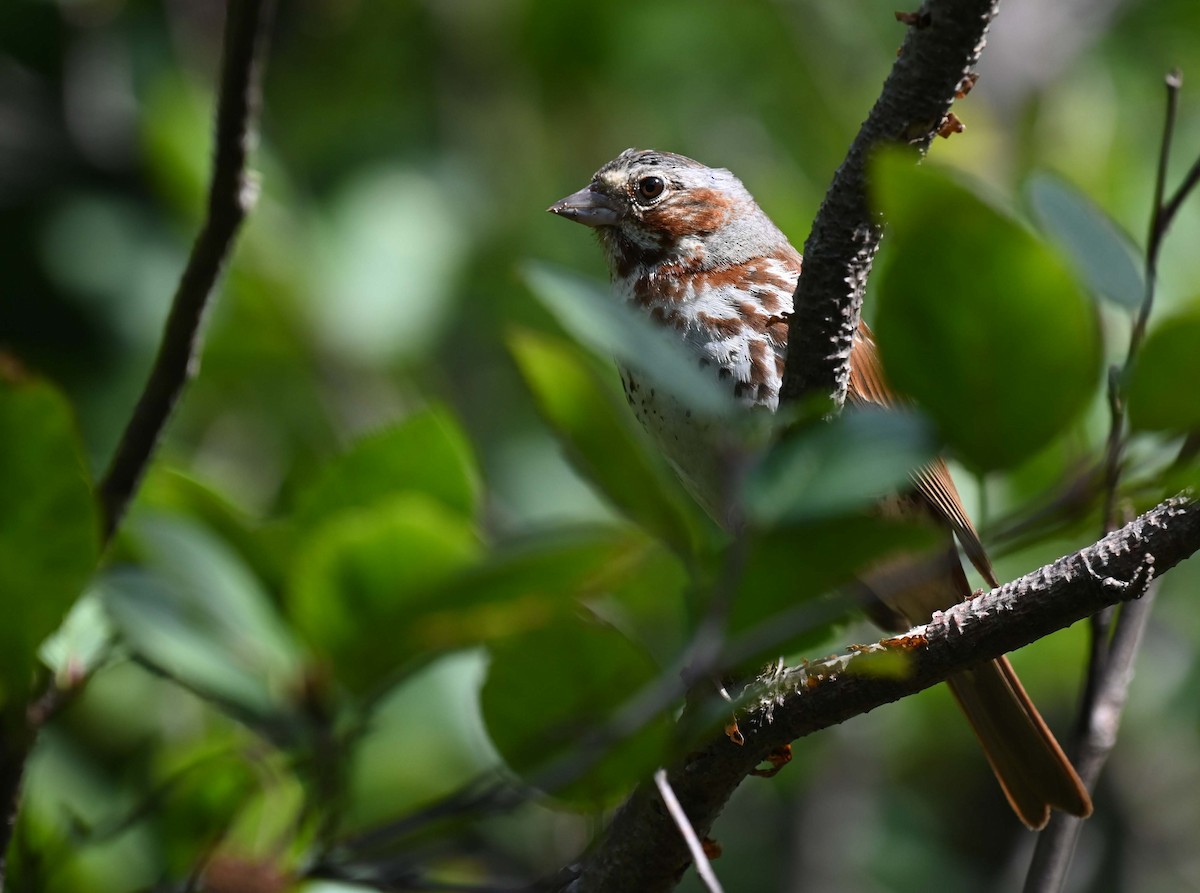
408 152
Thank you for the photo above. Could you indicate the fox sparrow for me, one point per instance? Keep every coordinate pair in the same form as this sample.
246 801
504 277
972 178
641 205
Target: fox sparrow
688 245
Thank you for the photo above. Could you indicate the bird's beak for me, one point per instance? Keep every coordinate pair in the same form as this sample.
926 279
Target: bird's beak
588 207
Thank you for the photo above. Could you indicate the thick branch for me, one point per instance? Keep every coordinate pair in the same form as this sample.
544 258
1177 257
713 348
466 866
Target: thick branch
642 849
943 44
231 196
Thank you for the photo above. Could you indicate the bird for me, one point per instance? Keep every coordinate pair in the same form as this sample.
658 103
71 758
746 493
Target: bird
688 245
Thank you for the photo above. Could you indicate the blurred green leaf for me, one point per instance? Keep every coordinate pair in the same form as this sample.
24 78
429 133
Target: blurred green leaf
432 719
1102 254
176 135
49 529
550 692
832 467
1167 365
598 434
170 490
427 453
790 566
357 578
67 798
198 614
524 585
199 792
978 320
596 319
391 258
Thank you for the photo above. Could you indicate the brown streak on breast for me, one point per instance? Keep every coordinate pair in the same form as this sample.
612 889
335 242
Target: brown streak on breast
627 256
666 285
725 326
770 298
760 364
765 286
774 326
665 317
777 330
753 316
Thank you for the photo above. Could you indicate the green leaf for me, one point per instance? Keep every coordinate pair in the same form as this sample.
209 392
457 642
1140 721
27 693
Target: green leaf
443 752
197 613
788 567
1167 368
426 453
1101 252
833 467
600 440
173 491
200 789
358 577
549 703
978 320
524 585
49 530
613 330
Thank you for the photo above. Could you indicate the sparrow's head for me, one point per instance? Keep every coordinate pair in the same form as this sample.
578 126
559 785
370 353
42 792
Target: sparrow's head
650 208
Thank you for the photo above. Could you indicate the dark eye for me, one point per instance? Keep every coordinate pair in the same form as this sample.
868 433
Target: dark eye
651 187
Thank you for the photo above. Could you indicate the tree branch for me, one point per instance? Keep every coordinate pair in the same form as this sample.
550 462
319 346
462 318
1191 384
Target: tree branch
944 41
642 849
232 195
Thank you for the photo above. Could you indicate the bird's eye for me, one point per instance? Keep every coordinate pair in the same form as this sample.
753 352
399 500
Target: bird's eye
651 187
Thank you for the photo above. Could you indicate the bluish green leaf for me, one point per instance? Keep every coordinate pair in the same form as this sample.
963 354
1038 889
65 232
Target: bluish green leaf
613 330
978 320
196 612
49 530
1102 254
844 464
442 753
600 440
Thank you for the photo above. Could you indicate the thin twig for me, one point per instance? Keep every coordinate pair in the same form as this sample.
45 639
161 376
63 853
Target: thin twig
699 857
704 868
1114 646
232 195
1160 220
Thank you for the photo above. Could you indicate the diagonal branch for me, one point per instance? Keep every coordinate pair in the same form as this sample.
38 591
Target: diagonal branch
944 41
642 849
231 196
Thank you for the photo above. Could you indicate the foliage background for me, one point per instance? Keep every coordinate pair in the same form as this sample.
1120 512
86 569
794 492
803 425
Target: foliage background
408 152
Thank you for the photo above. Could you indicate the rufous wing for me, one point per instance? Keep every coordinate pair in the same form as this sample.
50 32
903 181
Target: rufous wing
1032 769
